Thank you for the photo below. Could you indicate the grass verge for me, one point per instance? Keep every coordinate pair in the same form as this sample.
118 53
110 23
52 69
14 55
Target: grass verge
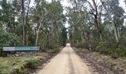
18 65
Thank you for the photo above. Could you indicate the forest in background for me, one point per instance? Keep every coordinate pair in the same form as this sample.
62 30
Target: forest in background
98 26
39 25
95 25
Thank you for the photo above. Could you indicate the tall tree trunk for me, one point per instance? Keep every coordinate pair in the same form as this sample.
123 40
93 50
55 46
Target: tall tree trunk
23 23
88 39
115 30
27 16
37 34
38 30
96 20
113 24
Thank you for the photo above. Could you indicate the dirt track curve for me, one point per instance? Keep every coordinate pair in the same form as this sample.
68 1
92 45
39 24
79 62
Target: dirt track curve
66 62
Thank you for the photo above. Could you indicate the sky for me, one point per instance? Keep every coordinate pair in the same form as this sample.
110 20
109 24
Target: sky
66 3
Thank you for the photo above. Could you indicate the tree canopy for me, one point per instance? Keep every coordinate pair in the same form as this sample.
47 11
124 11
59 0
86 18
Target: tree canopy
39 25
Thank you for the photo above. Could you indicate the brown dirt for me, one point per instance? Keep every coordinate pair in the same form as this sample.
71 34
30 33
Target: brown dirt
66 62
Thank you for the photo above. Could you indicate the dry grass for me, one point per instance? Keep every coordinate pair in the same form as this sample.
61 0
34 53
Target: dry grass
118 66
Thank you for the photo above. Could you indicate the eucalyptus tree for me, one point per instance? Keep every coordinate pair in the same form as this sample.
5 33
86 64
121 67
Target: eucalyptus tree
8 15
57 19
80 29
115 13
95 21
39 16
5 16
23 22
95 9
48 20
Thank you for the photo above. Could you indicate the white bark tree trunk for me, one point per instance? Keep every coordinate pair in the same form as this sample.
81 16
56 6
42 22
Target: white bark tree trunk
37 32
113 25
115 30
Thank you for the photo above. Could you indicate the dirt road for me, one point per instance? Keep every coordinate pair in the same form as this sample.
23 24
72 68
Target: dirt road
66 62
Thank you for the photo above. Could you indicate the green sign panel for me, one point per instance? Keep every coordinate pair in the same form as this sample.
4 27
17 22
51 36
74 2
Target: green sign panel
26 48
29 48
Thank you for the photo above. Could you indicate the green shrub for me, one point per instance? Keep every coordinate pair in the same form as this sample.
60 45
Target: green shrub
33 63
18 65
8 39
106 47
82 45
110 48
53 49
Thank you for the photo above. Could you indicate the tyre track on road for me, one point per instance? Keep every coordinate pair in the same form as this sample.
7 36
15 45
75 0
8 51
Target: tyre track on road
66 62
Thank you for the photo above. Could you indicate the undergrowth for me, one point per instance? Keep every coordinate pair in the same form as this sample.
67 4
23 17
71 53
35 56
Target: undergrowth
18 65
